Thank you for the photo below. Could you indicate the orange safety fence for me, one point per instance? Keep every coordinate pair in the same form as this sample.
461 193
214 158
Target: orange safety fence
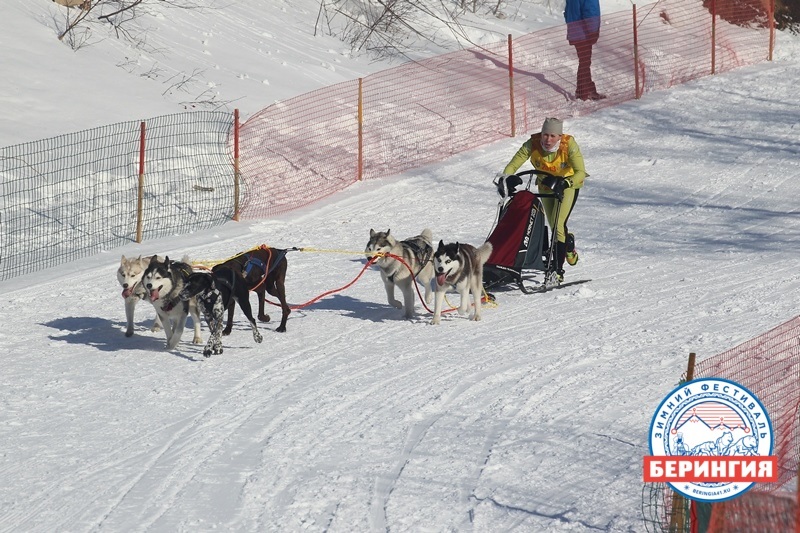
769 366
755 512
303 149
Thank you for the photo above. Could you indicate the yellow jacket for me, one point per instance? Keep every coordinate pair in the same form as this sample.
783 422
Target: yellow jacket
566 161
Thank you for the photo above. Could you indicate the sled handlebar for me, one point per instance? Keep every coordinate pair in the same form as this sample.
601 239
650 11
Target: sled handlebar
537 172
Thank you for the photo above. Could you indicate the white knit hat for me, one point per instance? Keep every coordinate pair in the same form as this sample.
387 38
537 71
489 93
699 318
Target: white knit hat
553 126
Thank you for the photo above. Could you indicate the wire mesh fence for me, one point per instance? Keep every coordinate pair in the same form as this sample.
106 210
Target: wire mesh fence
75 195
662 513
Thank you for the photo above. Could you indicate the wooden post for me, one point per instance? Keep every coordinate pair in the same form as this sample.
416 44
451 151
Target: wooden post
511 87
677 519
360 171
713 36
690 367
637 90
771 29
236 165
140 194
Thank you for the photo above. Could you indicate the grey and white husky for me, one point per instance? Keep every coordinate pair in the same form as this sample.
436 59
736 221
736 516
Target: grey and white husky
416 252
129 275
459 266
164 281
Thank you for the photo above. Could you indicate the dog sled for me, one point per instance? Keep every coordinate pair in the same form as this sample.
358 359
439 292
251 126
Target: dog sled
521 240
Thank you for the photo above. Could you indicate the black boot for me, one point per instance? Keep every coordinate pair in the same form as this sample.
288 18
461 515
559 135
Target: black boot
561 254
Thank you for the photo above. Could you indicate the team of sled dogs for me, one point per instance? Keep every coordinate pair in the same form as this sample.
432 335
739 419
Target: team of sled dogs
177 290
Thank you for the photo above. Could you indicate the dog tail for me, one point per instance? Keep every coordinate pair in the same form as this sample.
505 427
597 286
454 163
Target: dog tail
427 234
484 252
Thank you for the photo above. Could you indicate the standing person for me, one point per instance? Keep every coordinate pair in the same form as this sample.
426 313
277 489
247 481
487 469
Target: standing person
583 30
558 154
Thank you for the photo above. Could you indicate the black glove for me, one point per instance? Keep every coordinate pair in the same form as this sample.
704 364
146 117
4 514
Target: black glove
506 183
556 184
549 181
559 187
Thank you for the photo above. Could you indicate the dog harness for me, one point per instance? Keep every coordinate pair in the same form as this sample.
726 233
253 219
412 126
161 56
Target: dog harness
229 284
423 253
185 271
251 262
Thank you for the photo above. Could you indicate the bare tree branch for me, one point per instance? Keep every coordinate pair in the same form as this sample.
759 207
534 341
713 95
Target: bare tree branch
122 9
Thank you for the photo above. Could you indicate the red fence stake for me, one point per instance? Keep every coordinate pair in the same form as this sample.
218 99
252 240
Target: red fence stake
511 87
140 195
360 167
236 164
771 48
713 36
637 91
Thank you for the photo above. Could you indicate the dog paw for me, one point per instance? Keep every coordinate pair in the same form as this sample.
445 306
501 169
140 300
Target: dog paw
258 338
281 329
129 333
476 318
262 318
226 331
198 340
396 303
436 321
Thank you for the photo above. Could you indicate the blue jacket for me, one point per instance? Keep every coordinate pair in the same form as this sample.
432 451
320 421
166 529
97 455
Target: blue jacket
583 20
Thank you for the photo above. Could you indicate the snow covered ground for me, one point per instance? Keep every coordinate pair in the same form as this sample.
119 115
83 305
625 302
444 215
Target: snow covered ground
534 419
245 54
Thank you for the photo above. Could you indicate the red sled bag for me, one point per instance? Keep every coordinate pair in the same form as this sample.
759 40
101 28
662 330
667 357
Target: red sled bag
519 242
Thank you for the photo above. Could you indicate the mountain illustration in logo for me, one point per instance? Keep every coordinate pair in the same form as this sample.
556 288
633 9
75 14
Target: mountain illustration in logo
712 428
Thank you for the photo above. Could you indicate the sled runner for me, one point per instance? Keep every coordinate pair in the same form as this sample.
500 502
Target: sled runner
520 240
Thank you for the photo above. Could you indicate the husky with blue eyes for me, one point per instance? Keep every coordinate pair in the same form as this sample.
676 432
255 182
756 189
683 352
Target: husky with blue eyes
459 266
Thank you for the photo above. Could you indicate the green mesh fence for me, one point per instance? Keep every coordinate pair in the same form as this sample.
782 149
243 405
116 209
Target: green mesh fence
75 195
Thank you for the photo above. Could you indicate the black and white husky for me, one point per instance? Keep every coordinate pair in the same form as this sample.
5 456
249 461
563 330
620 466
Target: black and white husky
164 281
129 275
459 266
416 252
215 291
